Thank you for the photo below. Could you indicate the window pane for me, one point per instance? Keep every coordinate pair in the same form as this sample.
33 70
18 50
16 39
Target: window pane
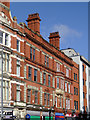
1 37
6 39
18 45
35 75
36 96
47 61
57 82
49 80
65 87
18 67
69 88
30 73
29 95
18 93
44 78
4 93
7 62
48 99
33 54
67 72
0 64
60 101
45 99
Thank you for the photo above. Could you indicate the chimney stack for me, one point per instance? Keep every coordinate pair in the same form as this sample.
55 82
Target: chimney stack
54 39
34 22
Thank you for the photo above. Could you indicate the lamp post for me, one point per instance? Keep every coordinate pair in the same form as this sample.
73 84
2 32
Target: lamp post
50 110
2 86
49 114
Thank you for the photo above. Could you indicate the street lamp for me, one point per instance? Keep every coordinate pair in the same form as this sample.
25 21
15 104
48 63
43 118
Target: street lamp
2 84
50 110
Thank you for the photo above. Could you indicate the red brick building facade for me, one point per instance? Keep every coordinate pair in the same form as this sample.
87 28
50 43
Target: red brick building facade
38 77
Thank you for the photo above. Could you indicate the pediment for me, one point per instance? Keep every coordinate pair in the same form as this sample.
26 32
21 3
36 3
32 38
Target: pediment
5 19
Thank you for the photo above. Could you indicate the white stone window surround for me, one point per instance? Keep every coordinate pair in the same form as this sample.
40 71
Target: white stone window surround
5 39
6 92
6 61
12 35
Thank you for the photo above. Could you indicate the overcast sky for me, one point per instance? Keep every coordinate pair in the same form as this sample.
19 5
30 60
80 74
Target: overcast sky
69 18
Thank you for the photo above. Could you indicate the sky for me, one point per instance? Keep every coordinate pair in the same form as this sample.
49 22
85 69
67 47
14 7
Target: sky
70 19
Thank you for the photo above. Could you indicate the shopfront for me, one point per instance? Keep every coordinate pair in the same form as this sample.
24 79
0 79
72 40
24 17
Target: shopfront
36 115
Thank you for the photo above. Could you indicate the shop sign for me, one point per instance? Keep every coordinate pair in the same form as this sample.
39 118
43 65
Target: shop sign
59 116
28 116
